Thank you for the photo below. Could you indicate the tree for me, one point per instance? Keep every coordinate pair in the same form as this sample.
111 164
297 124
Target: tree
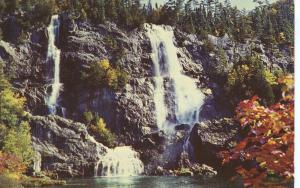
27 5
268 148
149 8
2 6
10 163
43 11
103 75
11 104
102 133
15 138
11 107
112 10
88 117
18 142
11 5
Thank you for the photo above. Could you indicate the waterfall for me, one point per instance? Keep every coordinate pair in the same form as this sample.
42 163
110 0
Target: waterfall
186 99
53 56
120 161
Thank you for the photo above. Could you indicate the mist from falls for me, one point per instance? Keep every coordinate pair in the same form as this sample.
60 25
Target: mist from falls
183 99
53 56
120 161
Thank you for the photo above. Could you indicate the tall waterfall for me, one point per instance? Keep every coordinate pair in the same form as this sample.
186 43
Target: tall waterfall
120 161
54 57
185 99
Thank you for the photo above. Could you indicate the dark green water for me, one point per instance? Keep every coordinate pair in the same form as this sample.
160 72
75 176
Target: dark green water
148 182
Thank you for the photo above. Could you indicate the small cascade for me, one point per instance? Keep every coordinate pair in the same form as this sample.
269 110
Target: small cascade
53 56
120 161
187 147
183 99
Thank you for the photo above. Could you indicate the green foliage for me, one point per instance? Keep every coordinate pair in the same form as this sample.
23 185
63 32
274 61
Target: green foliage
97 126
248 77
102 133
12 4
245 78
110 42
3 132
2 6
15 138
88 117
11 107
11 104
102 75
26 14
42 11
268 22
18 142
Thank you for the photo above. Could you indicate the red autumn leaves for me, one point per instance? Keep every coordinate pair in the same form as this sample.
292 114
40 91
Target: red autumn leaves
268 148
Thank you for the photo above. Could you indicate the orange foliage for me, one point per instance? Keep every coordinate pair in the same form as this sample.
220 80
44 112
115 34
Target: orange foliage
268 148
11 163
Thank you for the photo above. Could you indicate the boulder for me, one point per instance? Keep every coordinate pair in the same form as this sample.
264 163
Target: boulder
182 127
65 147
210 137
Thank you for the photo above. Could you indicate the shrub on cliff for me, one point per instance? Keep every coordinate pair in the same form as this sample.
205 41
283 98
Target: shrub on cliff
88 117
104 135
245 78
103 75
98 127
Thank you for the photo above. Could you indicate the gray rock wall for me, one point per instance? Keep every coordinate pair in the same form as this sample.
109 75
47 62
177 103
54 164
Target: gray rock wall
64 147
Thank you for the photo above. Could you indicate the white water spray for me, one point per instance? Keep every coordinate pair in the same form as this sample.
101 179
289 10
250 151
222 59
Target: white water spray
54 56
120 161
188 99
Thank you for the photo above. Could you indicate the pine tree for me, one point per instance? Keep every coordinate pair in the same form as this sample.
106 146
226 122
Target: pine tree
111 10
11 5
149 8
2 6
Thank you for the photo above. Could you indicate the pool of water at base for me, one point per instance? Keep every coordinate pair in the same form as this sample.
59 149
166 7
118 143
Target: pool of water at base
150 182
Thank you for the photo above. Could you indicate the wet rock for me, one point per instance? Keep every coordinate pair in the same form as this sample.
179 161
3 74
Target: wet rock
129 112
211 136
159 170
182 127
154 139
185 172
180 135
184 161
148 143
204 170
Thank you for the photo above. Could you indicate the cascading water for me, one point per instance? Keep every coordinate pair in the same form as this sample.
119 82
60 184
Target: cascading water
187 99
120 161
53 56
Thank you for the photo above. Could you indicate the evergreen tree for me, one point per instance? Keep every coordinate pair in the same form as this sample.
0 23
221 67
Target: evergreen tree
11 5
2 6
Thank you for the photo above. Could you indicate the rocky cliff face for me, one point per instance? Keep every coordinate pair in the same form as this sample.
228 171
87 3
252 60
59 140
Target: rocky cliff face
131 110
212 136
65 146
25 64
